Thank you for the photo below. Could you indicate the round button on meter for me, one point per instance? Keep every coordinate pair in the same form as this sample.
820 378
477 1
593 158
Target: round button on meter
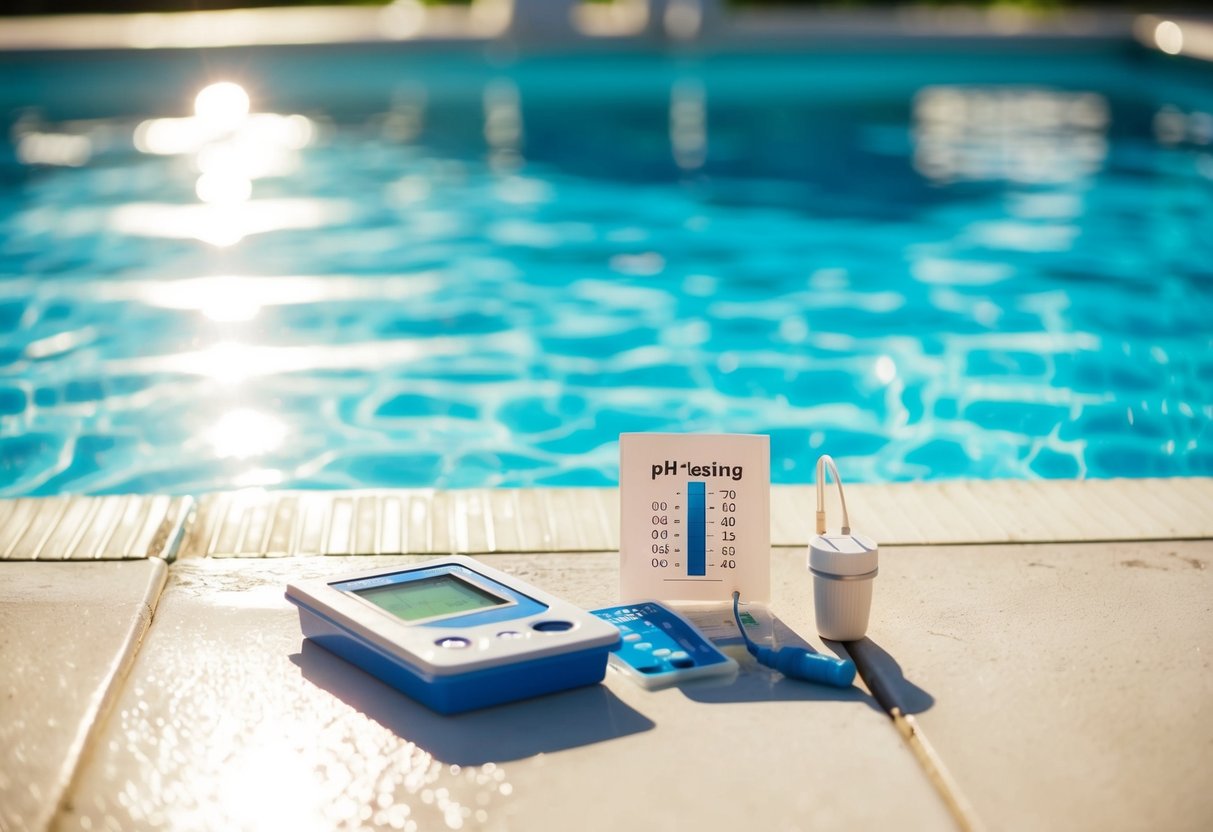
552 626
453 642
509 634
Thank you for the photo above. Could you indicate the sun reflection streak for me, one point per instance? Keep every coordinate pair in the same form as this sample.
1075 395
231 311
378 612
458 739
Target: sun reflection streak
231 362
503 131
45 148
189 134
232 147
244 433
224 104
688 123
1024 135
222 188
224 225
237 297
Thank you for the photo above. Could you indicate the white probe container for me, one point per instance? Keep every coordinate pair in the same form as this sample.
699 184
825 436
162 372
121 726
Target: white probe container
843 568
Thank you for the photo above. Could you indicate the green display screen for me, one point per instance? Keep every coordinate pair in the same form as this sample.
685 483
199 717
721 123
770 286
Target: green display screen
430 597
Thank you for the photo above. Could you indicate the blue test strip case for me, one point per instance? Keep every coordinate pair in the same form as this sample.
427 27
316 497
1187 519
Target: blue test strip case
660 648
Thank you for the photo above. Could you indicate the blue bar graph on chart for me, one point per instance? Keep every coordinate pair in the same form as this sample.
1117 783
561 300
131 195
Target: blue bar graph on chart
696 521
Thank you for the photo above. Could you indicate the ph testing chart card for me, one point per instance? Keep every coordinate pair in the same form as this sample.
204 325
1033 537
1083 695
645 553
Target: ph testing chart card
695 517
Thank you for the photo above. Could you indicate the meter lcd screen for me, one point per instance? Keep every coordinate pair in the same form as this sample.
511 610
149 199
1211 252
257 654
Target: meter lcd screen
440 595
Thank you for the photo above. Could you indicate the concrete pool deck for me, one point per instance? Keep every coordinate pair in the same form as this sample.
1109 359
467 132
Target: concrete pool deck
1042 646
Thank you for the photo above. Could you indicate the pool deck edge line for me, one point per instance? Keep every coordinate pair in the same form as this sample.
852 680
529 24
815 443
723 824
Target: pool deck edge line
257 523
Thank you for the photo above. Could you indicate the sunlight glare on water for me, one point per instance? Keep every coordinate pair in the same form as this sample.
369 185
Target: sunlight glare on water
230 148
222 105
244 433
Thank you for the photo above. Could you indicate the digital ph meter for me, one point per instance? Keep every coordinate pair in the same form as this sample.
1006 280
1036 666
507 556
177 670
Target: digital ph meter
455 634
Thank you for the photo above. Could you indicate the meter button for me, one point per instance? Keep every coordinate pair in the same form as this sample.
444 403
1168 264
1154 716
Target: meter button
552 626
681 659
644 645
509 634
453 642
661 651
632 637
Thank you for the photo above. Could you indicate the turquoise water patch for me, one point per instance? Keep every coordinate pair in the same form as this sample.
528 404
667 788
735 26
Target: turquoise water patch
454 270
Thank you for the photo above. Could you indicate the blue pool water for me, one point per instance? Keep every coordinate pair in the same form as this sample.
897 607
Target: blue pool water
460 270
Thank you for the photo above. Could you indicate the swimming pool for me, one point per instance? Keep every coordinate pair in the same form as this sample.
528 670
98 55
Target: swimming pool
446 269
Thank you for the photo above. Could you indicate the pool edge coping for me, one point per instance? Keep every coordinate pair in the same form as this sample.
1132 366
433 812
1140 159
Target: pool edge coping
257 523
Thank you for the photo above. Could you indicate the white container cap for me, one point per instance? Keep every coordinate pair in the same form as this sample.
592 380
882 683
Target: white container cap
842 555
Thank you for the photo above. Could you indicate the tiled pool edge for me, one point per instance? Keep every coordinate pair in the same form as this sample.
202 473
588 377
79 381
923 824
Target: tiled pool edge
72 528
260 523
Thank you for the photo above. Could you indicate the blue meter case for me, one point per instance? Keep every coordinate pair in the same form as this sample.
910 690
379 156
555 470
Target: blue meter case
455 634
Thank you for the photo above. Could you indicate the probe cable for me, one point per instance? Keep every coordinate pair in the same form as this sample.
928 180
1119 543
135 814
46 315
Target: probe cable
822 462
797 662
